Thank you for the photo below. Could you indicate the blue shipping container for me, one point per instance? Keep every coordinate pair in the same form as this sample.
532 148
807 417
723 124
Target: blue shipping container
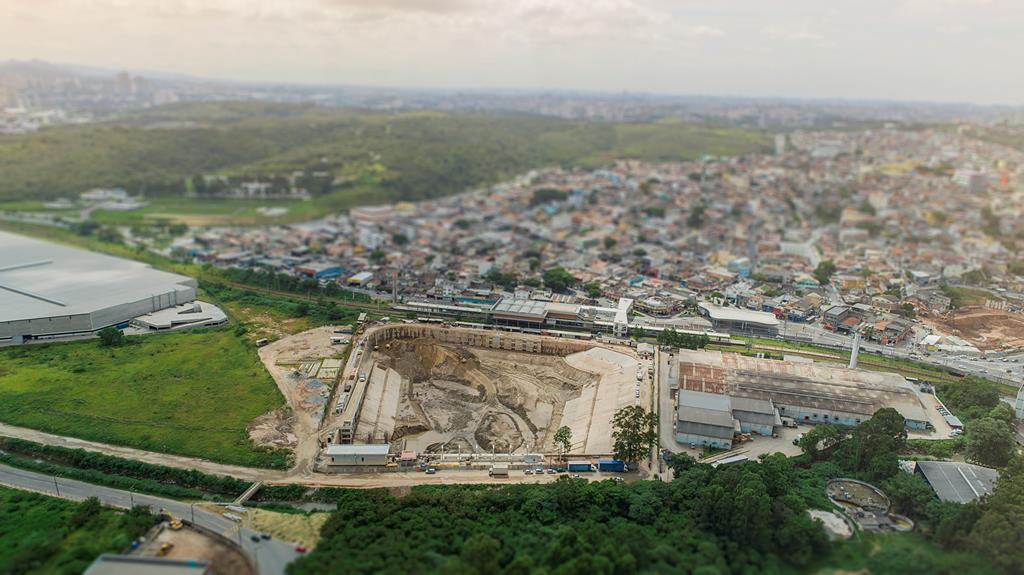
580 466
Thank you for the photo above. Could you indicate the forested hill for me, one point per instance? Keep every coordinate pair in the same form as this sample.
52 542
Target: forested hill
374 155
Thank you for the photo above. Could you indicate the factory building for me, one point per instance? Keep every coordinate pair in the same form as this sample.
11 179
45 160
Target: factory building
713 419
49 290
807 392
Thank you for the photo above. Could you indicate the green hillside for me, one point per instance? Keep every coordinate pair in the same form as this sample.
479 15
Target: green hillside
374 156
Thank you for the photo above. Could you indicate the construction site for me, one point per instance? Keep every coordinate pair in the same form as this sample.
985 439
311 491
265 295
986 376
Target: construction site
431 389
988 327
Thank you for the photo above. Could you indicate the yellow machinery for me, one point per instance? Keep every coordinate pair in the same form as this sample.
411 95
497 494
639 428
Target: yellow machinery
174 522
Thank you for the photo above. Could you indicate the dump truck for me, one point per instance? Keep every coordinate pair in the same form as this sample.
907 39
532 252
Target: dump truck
611 465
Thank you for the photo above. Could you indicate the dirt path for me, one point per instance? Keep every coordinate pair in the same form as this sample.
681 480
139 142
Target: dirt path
183 462
280 359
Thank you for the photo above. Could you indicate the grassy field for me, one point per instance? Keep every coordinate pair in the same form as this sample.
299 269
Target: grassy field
40 534
189 393
210 212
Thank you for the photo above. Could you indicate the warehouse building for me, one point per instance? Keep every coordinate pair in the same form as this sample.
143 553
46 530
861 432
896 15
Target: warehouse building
360 455
808 392
705 419
49 290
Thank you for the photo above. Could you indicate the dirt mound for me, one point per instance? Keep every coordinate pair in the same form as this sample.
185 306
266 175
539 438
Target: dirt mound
498 432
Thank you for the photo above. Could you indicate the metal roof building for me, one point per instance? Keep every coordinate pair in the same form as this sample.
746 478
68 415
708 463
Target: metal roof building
811 392
704 419
50 290
959 482
354 454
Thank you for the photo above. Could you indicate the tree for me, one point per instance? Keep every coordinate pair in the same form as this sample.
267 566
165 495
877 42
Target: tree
671 337
558 279
909 494
609 242
593 290
990 442
1003 412
400 239
820 440
634 432
681 463
872 449
823 273
563 439
111 337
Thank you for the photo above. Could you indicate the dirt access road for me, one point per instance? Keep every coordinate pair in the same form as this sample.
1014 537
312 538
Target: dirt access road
282 358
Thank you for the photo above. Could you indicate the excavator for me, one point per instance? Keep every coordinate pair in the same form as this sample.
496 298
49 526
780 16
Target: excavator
173 521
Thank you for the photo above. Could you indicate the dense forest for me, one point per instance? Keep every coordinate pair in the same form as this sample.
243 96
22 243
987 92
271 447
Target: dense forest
372 155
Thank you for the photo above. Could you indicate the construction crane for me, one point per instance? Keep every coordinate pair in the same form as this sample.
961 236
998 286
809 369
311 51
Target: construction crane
173 521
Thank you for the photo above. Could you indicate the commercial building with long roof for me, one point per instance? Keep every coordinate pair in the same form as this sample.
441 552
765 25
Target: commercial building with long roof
808 392
49 290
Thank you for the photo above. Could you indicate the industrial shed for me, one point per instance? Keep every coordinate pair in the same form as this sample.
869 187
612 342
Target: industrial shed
363 455
705 419
48 290
809 392
956 481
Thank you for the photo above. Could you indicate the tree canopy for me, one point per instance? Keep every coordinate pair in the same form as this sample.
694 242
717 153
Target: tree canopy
634 433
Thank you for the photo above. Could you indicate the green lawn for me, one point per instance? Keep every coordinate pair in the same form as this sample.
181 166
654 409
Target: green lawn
40 534
199 211
189 393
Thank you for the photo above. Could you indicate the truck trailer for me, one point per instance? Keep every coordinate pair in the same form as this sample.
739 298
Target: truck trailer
611 465
578 466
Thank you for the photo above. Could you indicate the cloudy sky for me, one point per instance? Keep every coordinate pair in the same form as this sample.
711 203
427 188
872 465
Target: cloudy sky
962 50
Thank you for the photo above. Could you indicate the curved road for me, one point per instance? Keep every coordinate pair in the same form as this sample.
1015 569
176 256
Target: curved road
271 557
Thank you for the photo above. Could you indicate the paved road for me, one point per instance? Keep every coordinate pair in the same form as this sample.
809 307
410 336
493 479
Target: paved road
271 556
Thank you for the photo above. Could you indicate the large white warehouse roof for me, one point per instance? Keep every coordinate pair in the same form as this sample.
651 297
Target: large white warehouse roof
40 281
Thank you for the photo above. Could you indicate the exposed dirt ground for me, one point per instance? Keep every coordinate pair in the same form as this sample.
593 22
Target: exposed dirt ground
191 544
986 328
306 395
477 398
275 428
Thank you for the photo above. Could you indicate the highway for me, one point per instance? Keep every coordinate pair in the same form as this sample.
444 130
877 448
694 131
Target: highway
270 557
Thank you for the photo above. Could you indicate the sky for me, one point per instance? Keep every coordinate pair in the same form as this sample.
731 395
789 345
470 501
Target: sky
930 50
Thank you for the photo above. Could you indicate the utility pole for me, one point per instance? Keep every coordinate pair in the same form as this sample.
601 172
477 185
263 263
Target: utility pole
55 486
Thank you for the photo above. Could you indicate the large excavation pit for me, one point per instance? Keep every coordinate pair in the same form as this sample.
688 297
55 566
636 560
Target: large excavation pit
426 395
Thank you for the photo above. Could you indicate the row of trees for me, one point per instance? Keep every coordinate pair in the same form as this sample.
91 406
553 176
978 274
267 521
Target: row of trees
744 518
671 337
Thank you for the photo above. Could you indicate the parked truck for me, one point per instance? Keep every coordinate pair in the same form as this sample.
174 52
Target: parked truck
578 466
611 465
499 470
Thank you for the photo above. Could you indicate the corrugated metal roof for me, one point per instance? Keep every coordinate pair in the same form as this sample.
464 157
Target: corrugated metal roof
705 430
959 482
341 449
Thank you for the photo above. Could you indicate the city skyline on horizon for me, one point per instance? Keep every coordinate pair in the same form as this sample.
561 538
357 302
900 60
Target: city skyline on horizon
949 51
